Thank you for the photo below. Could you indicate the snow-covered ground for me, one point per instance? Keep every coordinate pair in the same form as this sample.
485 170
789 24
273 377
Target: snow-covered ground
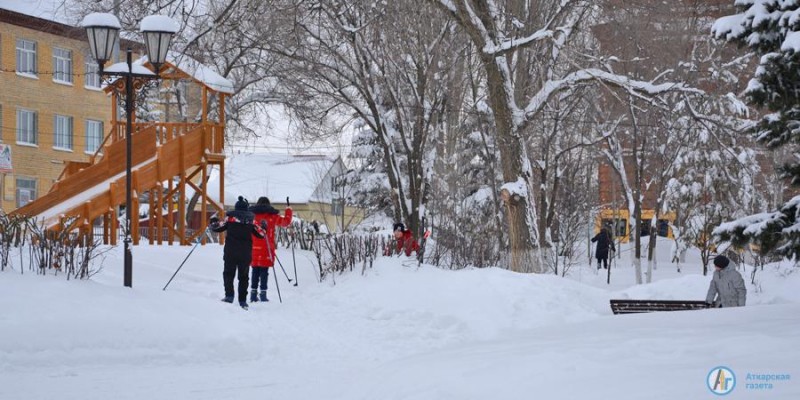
394 333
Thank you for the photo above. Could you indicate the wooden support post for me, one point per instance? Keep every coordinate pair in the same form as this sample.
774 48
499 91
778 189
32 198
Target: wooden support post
204 116
182 190
170 219
106 222
182 209
114 113
114 226
151 223
160 206
204 200
114 223
221 119
135 208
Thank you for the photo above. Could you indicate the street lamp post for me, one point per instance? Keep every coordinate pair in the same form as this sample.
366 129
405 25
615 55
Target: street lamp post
103 31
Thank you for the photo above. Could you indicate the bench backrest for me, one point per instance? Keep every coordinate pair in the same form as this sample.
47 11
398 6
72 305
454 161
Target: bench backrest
645 306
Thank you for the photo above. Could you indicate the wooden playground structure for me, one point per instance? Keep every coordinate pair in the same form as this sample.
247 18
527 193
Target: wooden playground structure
168 159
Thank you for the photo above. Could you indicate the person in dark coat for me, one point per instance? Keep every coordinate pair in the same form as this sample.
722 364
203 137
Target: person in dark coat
238 248
727 287
604 242
403 241
264 250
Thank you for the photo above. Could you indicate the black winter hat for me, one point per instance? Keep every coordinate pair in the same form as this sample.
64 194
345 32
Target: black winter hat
241 205
721 261
263 201
399 227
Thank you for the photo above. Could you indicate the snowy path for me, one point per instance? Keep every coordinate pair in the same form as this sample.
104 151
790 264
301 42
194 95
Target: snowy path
396 333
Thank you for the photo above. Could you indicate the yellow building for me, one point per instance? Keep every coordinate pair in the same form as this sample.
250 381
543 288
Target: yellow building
52 109
619 221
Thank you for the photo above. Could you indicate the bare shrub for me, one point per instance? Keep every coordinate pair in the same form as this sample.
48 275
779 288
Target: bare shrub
337 254
49 250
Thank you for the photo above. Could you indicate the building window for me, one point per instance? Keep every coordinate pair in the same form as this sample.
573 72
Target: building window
62 127
94 135
92 75
26 57
62 65
663 228
26 191
337 207
26 127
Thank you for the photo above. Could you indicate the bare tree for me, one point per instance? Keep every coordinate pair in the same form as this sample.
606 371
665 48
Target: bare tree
509 34
386 66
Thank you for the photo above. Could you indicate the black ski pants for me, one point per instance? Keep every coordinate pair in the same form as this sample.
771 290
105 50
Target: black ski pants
232 268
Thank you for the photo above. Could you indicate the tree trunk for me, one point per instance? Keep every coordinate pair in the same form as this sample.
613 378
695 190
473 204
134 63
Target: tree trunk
512 161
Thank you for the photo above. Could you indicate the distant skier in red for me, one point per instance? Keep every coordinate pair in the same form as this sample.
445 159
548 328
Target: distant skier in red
264 250
404 241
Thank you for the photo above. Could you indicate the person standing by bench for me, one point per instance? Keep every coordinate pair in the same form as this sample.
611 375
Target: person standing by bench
604 241
727 287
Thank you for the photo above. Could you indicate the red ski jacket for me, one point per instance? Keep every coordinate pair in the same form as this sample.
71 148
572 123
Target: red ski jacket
405 244
264 250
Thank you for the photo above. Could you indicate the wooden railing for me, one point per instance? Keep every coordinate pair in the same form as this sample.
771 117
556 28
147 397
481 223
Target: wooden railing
169 131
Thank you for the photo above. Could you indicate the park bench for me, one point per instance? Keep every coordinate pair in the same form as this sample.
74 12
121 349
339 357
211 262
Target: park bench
645 306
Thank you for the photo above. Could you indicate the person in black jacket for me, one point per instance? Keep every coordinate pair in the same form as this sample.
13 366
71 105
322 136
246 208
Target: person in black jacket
238 244
604 241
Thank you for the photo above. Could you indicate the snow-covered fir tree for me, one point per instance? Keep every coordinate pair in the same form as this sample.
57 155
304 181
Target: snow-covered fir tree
771 29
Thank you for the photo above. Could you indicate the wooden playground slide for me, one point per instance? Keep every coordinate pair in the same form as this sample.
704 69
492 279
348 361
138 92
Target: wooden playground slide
160 153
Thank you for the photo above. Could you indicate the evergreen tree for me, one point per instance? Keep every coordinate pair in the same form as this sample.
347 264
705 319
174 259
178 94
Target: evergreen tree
771 30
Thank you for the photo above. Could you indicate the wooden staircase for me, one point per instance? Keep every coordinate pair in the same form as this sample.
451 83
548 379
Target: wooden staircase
166 159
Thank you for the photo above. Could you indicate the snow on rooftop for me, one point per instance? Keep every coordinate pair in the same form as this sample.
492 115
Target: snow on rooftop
122 67
198 71
273 175
52 10
201 72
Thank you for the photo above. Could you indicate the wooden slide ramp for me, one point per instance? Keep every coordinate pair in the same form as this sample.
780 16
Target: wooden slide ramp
160 153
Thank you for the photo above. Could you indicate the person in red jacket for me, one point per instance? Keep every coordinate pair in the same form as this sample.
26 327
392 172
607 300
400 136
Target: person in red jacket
404 241
264 249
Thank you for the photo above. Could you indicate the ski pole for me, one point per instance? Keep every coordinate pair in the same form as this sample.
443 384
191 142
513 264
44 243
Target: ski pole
293 260
277 287
269 251
282 269
197 241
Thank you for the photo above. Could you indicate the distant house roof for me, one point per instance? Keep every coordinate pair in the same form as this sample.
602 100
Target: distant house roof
48 16
273 175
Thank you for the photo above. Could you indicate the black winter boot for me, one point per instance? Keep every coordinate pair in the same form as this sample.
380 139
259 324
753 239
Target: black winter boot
228 299
262 295
253 295
243 304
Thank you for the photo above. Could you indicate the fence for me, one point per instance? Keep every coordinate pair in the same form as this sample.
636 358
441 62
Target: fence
144 234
